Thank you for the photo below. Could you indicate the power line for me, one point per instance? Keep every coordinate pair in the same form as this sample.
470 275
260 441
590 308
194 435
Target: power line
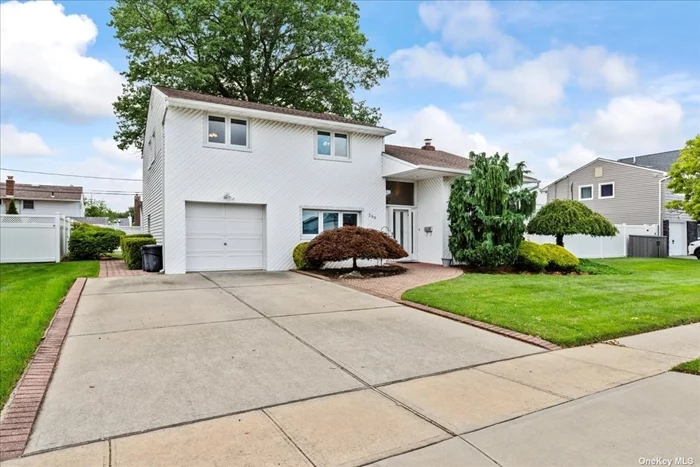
72 175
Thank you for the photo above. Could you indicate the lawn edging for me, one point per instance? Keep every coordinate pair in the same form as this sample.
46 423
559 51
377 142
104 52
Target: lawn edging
539 342
24 403
445 314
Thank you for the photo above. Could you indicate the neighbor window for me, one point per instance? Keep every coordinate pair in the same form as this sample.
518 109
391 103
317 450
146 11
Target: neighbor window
316 221
227 132
585 192
606 190
28 204
329 144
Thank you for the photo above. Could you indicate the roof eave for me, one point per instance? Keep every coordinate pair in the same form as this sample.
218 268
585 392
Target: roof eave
280 117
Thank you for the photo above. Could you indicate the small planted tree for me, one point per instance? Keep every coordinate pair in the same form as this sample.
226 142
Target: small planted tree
12 207
569 217
487 212
352 243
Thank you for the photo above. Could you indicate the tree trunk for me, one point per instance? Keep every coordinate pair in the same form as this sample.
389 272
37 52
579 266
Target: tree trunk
560 240
354 264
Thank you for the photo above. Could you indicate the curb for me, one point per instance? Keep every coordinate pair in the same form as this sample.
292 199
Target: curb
539 342
23 407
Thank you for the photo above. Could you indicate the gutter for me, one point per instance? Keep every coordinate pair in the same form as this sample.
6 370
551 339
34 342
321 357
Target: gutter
660 202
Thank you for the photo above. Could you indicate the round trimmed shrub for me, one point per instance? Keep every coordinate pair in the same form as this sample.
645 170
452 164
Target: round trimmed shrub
299 254
352 243
90 242
531 257
559 258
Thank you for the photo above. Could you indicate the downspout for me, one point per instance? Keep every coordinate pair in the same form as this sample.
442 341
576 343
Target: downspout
661 181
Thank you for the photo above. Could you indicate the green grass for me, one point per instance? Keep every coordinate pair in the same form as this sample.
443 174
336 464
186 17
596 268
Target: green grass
592 267
29 296
692 367
647 294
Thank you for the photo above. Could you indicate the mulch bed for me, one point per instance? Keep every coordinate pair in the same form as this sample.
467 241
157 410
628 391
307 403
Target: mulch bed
364 273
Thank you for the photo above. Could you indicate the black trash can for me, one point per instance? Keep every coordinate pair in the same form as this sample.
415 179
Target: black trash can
152 258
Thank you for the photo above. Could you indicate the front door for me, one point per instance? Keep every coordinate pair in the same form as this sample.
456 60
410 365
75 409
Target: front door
402 228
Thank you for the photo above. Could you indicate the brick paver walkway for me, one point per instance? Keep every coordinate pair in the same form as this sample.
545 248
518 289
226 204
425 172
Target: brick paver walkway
117 268
395 286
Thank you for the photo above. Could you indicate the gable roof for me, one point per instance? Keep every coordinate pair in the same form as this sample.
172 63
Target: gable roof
659 161
433 158
45 192
199 97
599 159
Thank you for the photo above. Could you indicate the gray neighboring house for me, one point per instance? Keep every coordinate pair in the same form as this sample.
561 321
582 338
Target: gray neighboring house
630 191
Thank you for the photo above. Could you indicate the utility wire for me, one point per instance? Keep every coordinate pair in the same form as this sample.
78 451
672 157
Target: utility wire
72 175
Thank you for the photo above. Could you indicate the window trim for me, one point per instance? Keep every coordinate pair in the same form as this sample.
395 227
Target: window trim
24 204
227 133
580 198
332 156
320 212
600 190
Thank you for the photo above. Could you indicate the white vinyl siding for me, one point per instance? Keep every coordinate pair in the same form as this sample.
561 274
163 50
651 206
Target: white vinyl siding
153 208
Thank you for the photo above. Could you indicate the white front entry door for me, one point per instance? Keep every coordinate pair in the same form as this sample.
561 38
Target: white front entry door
676 239
224 237
402 228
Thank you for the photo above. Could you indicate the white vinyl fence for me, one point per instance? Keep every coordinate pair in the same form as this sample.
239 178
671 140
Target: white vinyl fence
585 246
33 238
127 229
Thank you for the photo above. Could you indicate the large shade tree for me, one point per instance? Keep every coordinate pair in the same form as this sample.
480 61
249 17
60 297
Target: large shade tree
569 217
685 179
304 54
487 212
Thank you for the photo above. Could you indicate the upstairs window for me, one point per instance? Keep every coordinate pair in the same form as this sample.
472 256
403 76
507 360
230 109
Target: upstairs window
606 190
227 132
332 145
585 192
28 204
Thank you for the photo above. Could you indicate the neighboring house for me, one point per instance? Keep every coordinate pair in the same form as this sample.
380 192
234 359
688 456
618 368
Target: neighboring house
230 184
42 199
631 191
93 220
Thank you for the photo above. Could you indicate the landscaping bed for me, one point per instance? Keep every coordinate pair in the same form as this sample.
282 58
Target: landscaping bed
635 295
29 297
362 273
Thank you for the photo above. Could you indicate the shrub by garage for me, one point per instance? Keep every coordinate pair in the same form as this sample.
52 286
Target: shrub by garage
90 242
131 250
352 243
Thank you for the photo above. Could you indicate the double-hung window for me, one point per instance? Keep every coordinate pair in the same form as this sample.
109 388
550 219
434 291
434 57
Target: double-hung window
227 132
314 221
332 145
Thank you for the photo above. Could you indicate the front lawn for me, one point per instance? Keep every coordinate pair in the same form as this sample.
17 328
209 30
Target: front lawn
29 296
570 310
692 367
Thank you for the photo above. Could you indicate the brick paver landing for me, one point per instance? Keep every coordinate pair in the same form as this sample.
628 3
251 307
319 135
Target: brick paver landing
117 268
394 286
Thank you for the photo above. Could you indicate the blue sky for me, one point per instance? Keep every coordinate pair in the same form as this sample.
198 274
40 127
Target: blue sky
552 83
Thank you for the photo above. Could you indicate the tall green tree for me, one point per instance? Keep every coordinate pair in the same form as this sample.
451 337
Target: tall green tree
487 212
304 54
685 179
569 217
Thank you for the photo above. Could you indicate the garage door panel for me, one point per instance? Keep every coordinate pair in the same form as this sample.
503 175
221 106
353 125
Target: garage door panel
221 237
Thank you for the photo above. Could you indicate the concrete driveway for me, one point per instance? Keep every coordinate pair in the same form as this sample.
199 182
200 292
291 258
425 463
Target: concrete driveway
156 351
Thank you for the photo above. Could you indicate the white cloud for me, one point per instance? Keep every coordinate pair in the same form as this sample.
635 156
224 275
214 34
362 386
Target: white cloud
446 133
108 148
17 143
634 124
535 88
569 160
464 24
44 60
432 64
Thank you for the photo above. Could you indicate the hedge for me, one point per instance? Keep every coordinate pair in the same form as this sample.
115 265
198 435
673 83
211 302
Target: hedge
531 257
131 250
90 242
139 235
560 259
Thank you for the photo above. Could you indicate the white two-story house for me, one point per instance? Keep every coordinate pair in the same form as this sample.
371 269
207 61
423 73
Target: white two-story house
236 185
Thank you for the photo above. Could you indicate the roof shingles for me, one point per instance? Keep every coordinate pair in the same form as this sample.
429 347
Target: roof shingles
426 157
49 192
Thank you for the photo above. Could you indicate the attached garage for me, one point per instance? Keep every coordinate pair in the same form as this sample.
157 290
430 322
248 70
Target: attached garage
223 237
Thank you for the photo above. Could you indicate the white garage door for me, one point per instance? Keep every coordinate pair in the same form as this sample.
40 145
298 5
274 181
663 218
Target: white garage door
224 236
